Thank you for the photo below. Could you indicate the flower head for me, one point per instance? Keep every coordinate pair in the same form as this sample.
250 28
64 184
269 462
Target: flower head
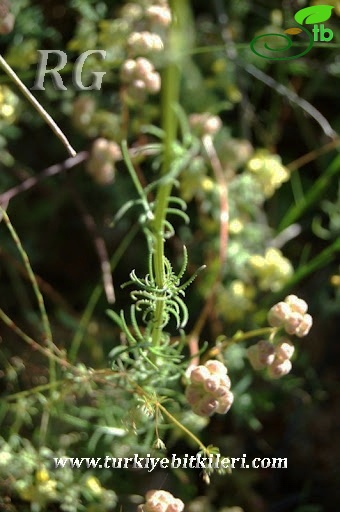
209 389
161 501
291 315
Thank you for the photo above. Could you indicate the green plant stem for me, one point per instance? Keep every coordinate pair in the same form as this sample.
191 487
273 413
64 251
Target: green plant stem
313 195
225 342
183 428
31 342
170 97
39 297
29 96
33 391
241 336
134 177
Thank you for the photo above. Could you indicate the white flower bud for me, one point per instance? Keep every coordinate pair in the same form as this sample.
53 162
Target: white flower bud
156 43
292 322
143 67
193 394
225 402
7 24
225 381
305 326
284 350
209 389
279 368
153 82
212 383
297 305
261 355
161 501
128 69
132 12
212 125
144 42
105 174
139 85
216 367
99 148
205 124
206 406
113 151
278 314
159 14
199 374
266 352
176 506
83 109
104 150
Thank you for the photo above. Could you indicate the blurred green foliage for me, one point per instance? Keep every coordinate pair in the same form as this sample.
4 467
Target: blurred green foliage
266 225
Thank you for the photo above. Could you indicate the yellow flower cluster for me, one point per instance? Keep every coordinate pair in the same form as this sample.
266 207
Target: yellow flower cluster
42 490
93 484
272 270
8 104
235 301
268 170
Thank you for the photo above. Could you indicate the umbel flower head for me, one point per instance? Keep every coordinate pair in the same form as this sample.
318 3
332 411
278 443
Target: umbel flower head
268 171
7 19
161 501
101 164
143 43
140 77
272 270
274 357
209 389
205 124
159 14
291 314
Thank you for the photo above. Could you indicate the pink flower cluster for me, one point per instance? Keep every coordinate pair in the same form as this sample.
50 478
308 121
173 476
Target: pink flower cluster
205 124
101 164
141 77
209 389
142 43
291 315
7 19
276 358
161 501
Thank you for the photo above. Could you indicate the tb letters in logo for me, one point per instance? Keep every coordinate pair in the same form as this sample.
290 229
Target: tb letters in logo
264 46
